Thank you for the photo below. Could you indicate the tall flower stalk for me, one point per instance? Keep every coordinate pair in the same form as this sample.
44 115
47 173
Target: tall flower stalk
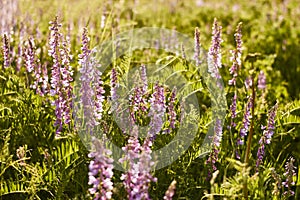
236 57
92 91
289 174
138 176
246 122
138 100
251 131
61 73
113 85
214 53
171 110
217 138
29 57
236 66
6 51
86 78
197 46
100 171
157 110
268 132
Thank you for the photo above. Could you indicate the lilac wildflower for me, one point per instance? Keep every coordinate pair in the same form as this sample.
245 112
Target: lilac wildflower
248 83
137 100
86 71
233 109
100 171
20 49
6 51
157 110
246 122
44 79
144 79
37 75
214 54
32 65
171 109
277 184
66 78
261 150
54 53
61 76
29 56
261 80
99 96
138 177
56 72
236 65
236 55
271 123
113 85
289 174
84 48
171 191
213 157
197 46
91 85
267 135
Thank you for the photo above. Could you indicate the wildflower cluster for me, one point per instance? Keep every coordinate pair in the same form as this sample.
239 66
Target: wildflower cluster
100 171
214 54
138 176
61 76
267 135
289 174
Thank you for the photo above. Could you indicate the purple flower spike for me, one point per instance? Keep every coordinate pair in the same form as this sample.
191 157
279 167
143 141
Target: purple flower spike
99 96
113 85
214 53
157 110
138 177
246 122
289 174
248 83
92 90
197 47
44 80
236 65
66 75
100 171
236 55
171 109
267 135
271 123
29 56
277 184
171 191
261 80
233 109
213 157
144 79
61 76
6 51
85 47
